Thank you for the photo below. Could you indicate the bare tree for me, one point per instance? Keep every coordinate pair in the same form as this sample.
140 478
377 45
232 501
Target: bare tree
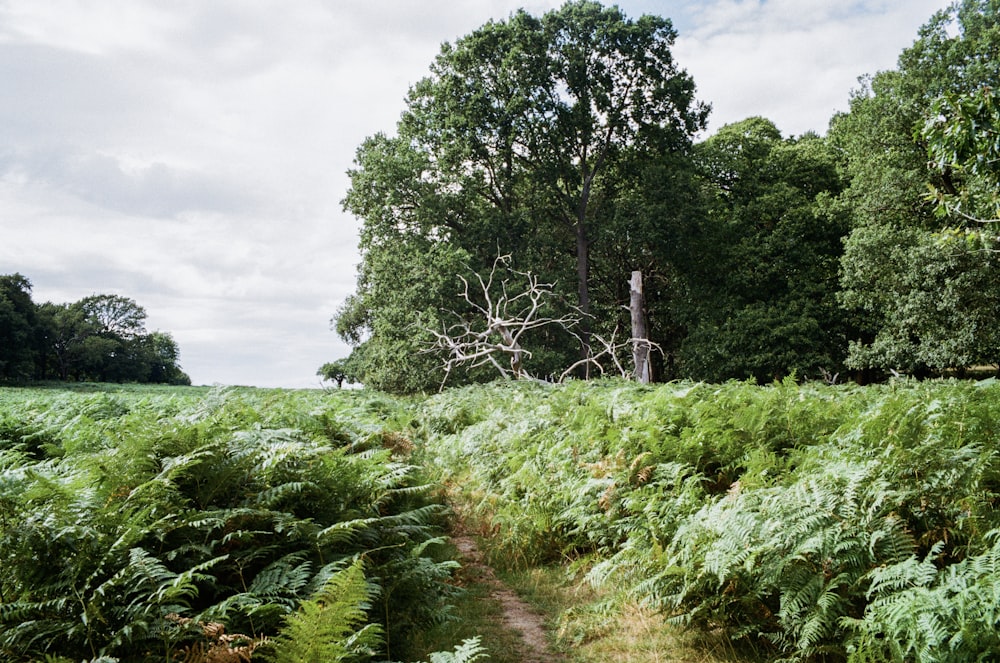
503 313
505 306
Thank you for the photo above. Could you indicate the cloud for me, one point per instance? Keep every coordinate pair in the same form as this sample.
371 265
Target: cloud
793 61
143 190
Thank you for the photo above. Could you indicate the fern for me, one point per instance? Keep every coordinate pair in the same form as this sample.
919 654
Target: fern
468 652
922 613
226 506
332 625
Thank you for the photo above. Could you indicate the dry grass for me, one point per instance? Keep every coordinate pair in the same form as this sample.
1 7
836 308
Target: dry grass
586 627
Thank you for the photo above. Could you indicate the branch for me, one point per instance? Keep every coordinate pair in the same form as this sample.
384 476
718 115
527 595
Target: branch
611 349
499 322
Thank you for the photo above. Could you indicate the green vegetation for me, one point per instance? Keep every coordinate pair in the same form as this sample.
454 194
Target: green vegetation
138 524
794 521
783 522
568 142
921 275
100 338
530 137
805 522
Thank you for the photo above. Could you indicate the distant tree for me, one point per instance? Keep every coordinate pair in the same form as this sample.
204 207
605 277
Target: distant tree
160 356
338 371
115 316
103 338
17 327
64 328
760 269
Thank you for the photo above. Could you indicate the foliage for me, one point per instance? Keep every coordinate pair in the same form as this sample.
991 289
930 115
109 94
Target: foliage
403 285
762 306
938 297
338 371
530 137
963 136
919 611
898 259
816 522
130 519
17 322
331 626
100 337
470 650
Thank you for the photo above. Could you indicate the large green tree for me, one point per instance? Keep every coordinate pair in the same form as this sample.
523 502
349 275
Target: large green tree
528 138
924 283
760 266
963 137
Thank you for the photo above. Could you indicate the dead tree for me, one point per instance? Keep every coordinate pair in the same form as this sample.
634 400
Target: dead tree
503 311
610 353
502 314
640 337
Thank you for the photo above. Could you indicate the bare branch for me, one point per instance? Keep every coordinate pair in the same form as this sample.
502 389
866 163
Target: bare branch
503 314
611 350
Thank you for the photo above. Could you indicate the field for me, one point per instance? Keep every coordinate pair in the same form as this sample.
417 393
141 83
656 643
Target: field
778 522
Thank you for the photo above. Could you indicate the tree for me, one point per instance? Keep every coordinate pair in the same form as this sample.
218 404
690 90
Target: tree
159 356
760 267
528 138
64 328
17 327
402 288
111 336
963 137
338 371
503 316
924 304
115 315
103 338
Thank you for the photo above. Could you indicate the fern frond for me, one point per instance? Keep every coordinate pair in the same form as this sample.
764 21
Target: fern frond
331 626
468 652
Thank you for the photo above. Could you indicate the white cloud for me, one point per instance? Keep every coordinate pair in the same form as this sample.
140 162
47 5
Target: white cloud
793 61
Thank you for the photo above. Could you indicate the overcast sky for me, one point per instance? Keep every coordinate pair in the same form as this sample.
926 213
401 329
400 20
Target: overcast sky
191 154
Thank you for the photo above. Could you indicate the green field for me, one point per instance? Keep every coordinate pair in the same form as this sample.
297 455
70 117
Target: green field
793 522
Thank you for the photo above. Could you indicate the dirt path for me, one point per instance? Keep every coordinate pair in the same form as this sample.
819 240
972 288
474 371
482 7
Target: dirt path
517 615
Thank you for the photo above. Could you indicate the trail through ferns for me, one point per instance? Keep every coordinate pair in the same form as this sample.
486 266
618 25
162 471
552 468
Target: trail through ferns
516 614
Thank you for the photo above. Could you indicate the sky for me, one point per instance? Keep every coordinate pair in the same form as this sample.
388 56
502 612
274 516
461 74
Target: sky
192 154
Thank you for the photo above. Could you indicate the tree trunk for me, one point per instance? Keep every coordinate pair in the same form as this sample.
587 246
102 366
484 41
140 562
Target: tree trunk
640 336
583 290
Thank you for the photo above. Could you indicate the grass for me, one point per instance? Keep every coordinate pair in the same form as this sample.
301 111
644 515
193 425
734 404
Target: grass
475 614
587 627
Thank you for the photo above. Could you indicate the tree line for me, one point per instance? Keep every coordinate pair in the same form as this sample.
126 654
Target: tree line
101 338
568 142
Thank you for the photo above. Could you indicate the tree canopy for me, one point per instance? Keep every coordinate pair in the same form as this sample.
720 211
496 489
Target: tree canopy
568 141
761 263
528 138
922 276
100 338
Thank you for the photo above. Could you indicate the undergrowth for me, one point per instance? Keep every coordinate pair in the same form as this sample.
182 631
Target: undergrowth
144 525
799 522
809 522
